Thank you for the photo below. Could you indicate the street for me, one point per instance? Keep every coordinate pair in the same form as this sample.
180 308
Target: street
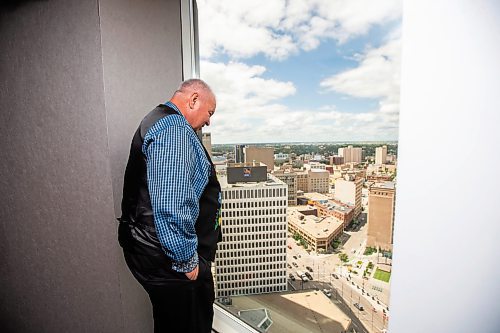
371 294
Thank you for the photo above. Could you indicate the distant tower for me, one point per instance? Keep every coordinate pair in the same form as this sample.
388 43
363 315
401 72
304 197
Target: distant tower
207 142
351 155
381 155
239 153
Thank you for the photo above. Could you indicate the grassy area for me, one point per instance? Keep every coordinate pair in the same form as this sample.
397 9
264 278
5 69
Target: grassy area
382 275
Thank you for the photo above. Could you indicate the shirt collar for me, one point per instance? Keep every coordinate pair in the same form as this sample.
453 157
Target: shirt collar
173 106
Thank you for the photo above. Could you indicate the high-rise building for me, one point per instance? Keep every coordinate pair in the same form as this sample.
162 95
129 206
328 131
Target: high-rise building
348 190
381 155
318 181
351 155
239 153
206 139
381 202
260 154
251 258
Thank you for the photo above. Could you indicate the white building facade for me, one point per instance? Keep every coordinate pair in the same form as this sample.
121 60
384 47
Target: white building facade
251 259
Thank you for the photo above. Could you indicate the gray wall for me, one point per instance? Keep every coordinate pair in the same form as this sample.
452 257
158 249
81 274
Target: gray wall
76 76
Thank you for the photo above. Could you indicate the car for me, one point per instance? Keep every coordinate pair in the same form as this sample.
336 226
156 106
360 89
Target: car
359 306
327 293
378 302
368 294
291 276
383 310
295 264
295 257
289 266
352 283
309 276
309 269
335 275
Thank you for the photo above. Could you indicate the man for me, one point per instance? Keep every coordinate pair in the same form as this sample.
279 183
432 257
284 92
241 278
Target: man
169 226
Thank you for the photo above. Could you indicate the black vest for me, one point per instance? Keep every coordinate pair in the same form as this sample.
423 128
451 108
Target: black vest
137 232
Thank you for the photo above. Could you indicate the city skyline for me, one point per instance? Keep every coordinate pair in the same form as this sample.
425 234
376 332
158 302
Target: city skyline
302 71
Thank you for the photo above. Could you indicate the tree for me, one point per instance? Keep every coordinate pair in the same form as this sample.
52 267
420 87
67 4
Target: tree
344 257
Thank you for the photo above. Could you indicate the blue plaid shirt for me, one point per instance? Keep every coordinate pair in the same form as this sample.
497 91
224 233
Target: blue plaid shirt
178 172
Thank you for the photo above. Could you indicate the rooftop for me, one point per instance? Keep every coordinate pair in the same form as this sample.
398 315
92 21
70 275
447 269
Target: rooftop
319 227
296 312
384 185
270 182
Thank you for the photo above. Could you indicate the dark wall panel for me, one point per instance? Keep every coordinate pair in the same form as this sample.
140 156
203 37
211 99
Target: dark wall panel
68 109
58 267
141 51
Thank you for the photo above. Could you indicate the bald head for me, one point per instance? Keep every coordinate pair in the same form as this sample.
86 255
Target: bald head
196 101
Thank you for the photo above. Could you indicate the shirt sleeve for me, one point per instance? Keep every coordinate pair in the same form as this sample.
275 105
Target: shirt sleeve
174 191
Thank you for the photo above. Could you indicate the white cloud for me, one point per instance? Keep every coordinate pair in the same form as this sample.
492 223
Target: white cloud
376 76
279 28
250 109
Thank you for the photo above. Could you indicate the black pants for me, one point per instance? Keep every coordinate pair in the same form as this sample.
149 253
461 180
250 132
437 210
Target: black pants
179 304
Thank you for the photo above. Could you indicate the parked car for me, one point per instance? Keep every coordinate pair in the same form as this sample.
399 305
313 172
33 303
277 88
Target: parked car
291 276
295 264
359 306
327 293
309 268
335 275
295 257
309 276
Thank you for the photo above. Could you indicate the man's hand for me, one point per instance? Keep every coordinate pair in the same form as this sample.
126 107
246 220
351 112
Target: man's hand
193 275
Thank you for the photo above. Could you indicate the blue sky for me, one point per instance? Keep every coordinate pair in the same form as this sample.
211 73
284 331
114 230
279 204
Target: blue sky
302 70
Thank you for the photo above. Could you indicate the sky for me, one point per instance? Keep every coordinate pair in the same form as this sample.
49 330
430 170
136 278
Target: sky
302 70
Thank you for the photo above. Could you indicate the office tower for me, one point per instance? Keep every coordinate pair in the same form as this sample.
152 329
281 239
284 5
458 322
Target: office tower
381 155
260 154
381 201
348 190
207 142
351 155
290 179
239 153
251 259
318 181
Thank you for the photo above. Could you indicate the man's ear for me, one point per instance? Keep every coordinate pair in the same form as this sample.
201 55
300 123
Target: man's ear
193 99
